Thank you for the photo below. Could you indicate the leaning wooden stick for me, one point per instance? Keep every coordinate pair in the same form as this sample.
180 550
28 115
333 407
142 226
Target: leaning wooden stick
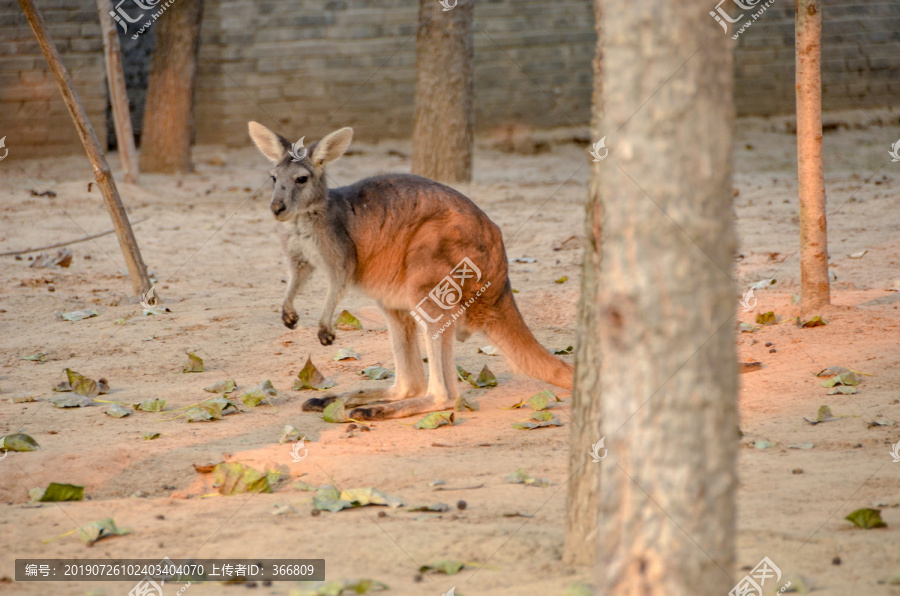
118 97
13 253
137 271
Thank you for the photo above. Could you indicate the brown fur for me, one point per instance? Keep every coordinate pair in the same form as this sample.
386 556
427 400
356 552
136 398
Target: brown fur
396 238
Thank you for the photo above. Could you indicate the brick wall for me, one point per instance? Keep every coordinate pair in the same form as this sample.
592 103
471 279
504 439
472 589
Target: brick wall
33 117
354 62
860 57
306 66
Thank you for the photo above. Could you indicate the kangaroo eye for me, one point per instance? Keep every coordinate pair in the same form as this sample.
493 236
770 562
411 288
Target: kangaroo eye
302 179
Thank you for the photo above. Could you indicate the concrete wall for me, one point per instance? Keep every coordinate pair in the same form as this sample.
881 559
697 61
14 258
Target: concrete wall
307 66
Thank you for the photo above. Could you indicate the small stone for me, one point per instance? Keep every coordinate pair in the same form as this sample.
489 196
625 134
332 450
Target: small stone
51 288
461 505
250 584
160 516
797 471
772 351
769 344
417 577
315 512
267 582
382 514
836 561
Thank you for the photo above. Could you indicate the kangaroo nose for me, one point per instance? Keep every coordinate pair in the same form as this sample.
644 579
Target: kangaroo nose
278 208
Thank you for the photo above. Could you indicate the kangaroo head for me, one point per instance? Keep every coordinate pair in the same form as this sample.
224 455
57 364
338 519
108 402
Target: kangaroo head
299 183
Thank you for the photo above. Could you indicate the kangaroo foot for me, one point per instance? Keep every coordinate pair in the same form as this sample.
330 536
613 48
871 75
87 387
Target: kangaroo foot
400 409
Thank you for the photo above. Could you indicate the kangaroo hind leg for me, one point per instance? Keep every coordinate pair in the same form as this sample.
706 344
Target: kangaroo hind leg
441 391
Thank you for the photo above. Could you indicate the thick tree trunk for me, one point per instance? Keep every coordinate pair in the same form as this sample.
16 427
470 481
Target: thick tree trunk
582 509
814 286
444 121
659 328
118 97
168 122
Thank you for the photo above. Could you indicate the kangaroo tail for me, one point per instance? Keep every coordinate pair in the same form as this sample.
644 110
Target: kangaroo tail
507 329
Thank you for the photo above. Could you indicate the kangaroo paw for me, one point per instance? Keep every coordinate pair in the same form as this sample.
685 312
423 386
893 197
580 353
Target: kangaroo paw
317 404
369 413
290 319
326 337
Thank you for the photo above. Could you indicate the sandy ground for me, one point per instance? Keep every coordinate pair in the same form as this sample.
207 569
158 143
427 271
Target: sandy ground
210 240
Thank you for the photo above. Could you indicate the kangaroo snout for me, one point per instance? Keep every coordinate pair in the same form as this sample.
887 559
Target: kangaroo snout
278 207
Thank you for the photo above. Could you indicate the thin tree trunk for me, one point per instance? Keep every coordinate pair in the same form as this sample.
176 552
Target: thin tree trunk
118 96
168 121
814 285
137 271
661 332
582 509
444 120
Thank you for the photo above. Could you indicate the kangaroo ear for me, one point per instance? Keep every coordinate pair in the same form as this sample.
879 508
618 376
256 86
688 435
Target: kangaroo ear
270 144
332 147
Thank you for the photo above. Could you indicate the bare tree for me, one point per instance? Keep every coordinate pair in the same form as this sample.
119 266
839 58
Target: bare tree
168 122
814 286
443 129
656 355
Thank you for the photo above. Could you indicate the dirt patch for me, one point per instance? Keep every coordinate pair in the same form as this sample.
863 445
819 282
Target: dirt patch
210 240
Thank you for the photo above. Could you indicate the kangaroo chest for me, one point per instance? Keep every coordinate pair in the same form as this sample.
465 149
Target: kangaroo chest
304 242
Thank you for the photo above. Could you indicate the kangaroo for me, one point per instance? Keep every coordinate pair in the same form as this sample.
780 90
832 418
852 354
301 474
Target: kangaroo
424 252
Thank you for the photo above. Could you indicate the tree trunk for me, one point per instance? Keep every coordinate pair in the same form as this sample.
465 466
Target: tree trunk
444 121
118 97
582 510
814 286
659 328
168 122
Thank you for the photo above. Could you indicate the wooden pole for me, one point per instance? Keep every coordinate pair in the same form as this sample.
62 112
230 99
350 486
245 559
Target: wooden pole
814 285
140 282
115 78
